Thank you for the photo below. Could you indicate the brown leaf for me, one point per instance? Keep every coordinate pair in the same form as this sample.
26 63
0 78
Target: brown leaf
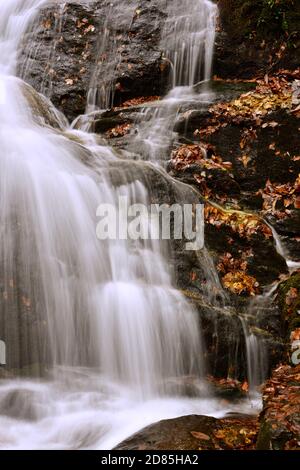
200 435
291 296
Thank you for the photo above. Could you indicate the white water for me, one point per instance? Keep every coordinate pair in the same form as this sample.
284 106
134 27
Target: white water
105 303
188 42
80 410
120 339
102 86
256 351
292 265
257 359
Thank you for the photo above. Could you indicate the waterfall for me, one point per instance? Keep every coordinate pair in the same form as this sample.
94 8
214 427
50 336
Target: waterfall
102 86
292 265
188 42
100 319
256 353
102 303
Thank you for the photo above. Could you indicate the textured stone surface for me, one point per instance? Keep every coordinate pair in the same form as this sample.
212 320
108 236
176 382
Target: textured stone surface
195 433
61 51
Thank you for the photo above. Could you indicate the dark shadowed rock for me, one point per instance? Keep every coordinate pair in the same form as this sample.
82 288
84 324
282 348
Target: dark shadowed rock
280 418
195 433
68 51
256 37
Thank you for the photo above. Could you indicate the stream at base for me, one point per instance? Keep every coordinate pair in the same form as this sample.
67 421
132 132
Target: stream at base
80 409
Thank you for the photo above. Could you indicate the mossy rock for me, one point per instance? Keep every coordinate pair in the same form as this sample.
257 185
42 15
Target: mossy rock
288 299
241 18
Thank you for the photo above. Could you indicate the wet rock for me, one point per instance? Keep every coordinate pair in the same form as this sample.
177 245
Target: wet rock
255 38
288 301
195 433
270 155
229 389
68 51
215 180
280 418
224 334
102 121
19 404
43 111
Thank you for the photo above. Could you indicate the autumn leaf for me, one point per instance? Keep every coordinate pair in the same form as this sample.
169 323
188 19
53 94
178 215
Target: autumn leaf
200 435
47 24
139 101
118 131
240 283
245 159
245 386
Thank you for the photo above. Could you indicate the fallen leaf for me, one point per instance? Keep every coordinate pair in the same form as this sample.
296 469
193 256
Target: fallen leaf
200 435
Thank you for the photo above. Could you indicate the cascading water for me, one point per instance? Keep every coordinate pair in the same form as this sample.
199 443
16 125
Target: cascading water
103 316
102 86
46 80
188 42
256 350
257 355
85 287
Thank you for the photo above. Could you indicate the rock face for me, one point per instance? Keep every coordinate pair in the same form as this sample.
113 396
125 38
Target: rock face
239 161
195 433
69 51
256 37
280 418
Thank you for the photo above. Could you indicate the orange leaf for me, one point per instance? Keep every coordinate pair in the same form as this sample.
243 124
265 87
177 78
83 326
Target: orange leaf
200 435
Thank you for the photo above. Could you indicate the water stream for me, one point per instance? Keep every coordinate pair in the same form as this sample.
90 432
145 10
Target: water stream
188 42
117 337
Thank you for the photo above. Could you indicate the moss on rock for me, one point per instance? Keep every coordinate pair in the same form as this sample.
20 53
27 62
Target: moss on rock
288 299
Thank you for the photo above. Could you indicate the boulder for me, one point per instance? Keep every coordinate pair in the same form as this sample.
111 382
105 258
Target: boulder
68 51
256 37
195 433
280 418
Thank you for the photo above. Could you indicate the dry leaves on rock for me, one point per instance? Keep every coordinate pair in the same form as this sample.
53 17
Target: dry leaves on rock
118 131
239 283
228 384
287 194
246 225
235 277
228 264
238 434
271 93
281 397
187 155
200 435
139 101
253 106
